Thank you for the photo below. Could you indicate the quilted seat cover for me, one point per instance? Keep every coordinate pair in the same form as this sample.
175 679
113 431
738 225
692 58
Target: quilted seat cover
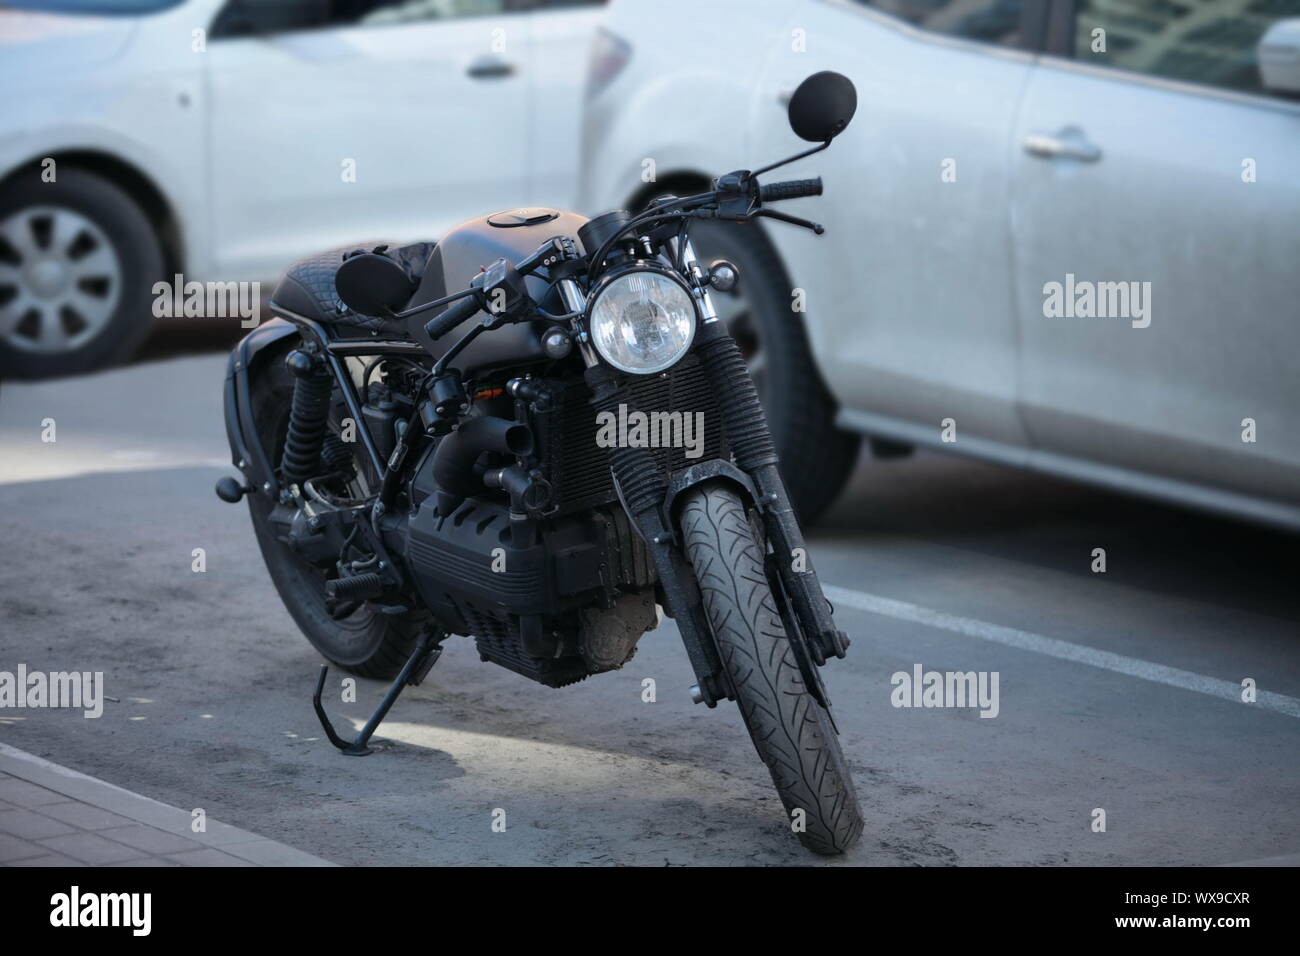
308 286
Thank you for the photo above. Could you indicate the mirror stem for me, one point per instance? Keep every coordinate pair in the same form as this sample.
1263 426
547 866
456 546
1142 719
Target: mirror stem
791 159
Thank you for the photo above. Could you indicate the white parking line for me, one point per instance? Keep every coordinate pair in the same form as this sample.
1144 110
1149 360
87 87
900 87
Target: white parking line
1062 650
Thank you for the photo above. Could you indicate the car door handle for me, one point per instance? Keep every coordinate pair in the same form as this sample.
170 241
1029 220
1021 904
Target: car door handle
490 68
1069 143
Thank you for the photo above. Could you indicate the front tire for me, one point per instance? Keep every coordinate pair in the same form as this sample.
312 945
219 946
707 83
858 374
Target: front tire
790 730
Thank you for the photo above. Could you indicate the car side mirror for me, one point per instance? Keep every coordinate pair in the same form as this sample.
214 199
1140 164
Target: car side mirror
822 106
1278 56
371 284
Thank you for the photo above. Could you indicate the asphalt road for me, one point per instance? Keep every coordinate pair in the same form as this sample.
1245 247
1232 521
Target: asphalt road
1116 690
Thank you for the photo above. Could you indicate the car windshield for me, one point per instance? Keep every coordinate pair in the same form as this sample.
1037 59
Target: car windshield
97 7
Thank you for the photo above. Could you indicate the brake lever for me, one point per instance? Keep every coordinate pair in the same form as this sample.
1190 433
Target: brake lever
816 227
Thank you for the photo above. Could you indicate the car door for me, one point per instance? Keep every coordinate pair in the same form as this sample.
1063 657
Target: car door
561 32
1152 156
334 121
908 295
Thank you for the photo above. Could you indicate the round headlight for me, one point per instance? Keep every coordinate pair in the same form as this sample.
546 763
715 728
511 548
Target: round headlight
642 321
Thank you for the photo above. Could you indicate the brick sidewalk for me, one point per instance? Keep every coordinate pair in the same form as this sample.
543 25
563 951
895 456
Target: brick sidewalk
53 816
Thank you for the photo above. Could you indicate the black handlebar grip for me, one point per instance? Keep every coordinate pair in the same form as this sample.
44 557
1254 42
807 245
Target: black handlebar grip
457 313
791 189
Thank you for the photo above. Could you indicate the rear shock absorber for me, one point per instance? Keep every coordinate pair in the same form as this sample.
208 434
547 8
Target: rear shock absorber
307 417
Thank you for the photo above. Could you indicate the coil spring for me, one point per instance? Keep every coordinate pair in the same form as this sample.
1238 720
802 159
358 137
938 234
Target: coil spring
742 413
307 419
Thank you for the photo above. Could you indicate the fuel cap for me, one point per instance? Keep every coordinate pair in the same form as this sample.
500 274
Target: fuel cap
521 217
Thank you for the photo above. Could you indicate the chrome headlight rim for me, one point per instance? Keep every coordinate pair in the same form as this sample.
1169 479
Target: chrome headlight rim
624 268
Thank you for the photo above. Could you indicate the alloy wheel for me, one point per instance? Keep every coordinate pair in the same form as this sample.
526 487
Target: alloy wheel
60 279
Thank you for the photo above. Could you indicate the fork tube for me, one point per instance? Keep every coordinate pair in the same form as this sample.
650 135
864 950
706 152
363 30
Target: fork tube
642 489
699 288
755 452
574 300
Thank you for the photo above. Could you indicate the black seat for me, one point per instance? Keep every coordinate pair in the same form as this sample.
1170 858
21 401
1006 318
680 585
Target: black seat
308 286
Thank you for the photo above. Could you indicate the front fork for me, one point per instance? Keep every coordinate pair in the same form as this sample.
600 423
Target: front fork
755 453
643 490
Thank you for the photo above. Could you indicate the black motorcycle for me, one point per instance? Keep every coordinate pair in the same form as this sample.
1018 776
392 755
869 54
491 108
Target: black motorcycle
588 449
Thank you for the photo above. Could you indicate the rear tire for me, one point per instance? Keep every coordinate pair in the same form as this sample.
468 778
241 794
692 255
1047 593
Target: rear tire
366 643
790 730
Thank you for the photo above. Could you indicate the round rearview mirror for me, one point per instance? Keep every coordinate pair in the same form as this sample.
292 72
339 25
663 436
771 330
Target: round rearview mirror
820 109
371 284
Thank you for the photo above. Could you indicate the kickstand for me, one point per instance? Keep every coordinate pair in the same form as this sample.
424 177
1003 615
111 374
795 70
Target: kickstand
415 669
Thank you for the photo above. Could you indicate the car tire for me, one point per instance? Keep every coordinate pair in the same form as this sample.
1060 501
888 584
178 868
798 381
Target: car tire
816 457
91 307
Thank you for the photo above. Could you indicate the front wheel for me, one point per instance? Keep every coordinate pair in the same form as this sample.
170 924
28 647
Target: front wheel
790 730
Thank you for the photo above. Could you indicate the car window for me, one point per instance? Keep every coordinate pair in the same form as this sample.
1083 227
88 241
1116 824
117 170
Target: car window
95 7
1210 41
262 17
989 21
410 11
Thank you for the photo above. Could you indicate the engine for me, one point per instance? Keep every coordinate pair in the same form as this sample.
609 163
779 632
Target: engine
570 591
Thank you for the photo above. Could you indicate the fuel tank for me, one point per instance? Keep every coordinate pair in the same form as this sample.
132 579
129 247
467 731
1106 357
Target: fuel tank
512 234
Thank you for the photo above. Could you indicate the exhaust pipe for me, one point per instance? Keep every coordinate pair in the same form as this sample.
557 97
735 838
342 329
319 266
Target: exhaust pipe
456 455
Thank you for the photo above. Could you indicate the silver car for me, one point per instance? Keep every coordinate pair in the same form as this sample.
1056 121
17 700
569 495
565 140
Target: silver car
1064 235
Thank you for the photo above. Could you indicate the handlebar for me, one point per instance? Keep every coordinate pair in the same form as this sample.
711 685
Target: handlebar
554 249
456 313
791 189
500 275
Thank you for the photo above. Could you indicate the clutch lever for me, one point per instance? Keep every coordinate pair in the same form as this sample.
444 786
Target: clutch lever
815 227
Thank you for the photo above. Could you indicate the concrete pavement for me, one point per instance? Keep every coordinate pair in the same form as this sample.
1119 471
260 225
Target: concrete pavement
213 682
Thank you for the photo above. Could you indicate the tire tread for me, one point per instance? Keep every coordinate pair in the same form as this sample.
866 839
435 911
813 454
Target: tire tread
789 728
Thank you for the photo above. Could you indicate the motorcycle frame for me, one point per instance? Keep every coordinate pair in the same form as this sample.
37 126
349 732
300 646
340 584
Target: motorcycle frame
798 593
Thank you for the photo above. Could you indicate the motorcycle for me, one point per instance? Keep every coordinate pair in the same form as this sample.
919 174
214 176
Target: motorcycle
588 453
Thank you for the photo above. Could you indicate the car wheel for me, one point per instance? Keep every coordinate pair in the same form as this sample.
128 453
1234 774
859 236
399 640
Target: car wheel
816 457
78 260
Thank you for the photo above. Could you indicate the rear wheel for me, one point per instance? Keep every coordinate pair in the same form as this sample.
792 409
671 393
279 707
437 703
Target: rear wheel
366 642
790 730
